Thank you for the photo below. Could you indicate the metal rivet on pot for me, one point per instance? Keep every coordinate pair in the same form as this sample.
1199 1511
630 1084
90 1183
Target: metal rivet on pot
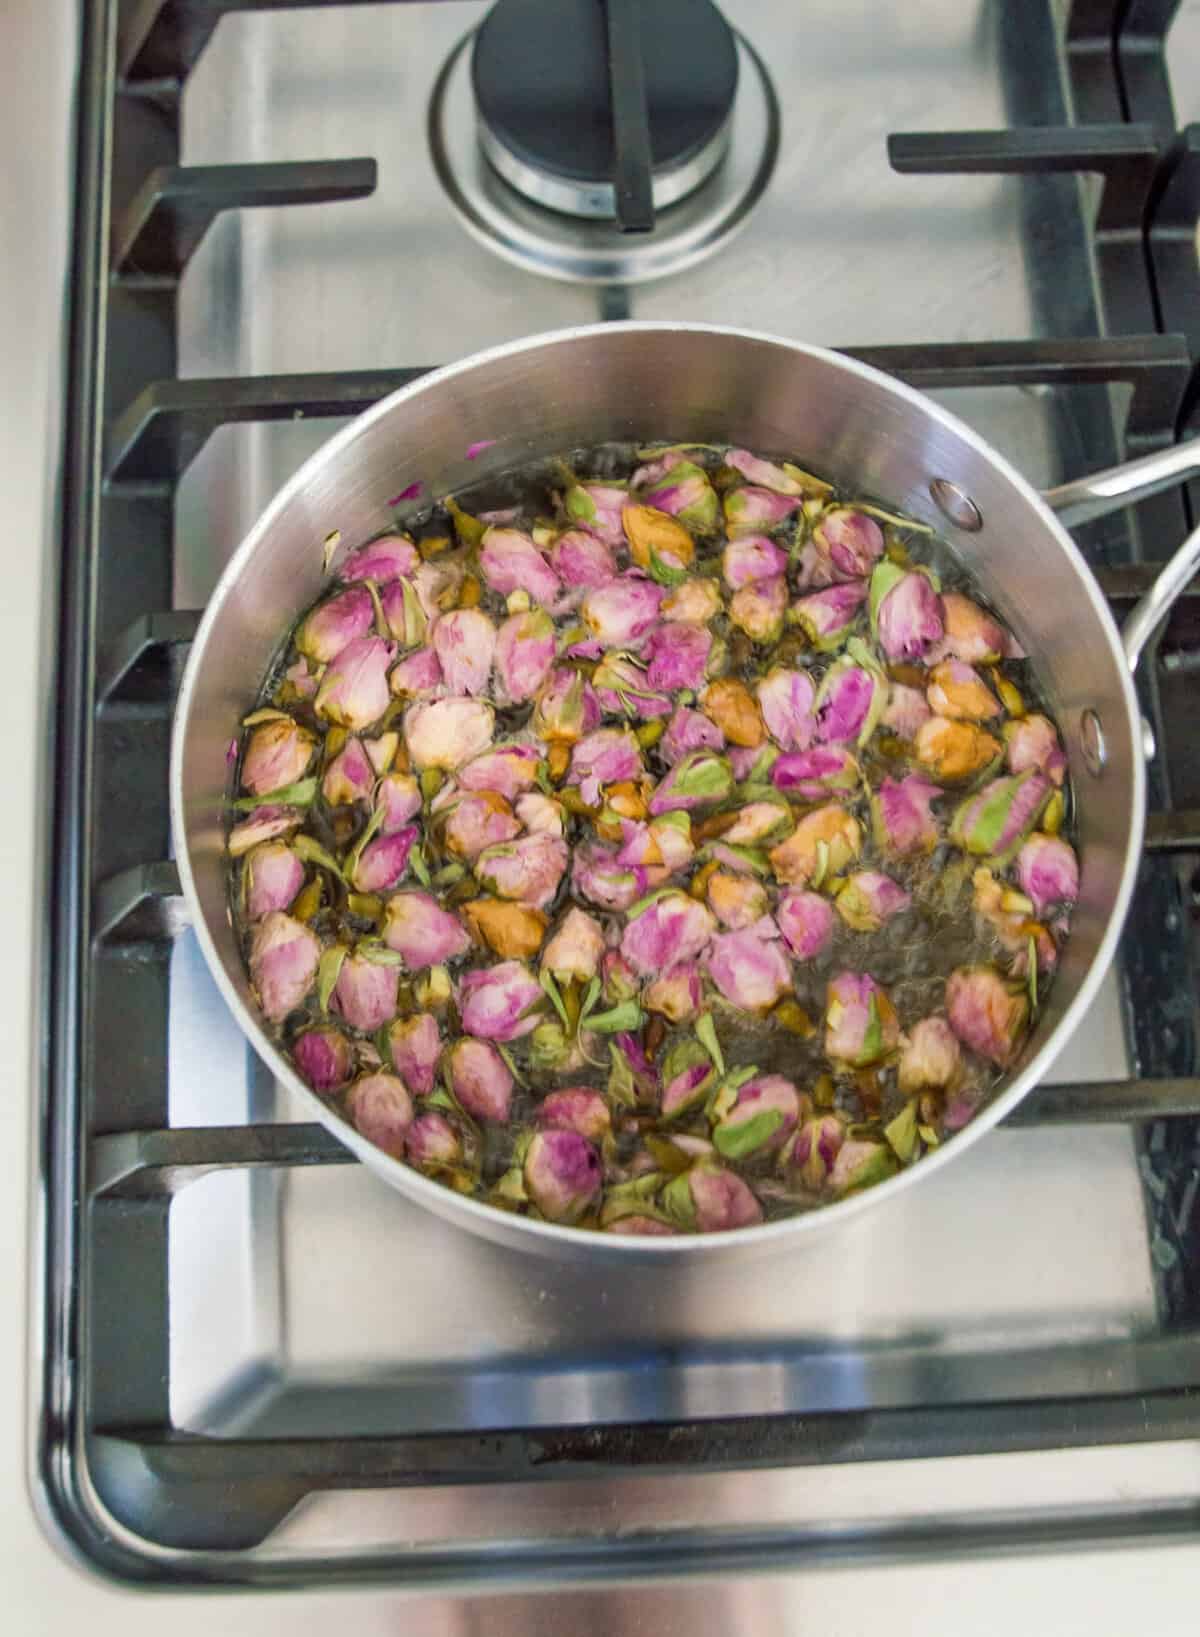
956 504
1092 742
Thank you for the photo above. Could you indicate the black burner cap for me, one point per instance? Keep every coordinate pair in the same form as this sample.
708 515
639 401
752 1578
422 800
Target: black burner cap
540 74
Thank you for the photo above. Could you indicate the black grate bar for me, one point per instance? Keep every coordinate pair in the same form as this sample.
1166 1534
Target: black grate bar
1174 212
1177 832
143 652
143 903
177 204
1129 581
1141 61
632 180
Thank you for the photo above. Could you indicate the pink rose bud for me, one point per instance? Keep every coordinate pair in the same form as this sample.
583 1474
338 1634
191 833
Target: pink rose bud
365 993
417 676
464 641
692 603
524 654
387 558
415 1046
758 609
283 963
906 612
711 1199
655 470
806 921
540 815
575 948
273 876
764 473
437 586
957 691
665 840
689 730
622 688
500 1002
754 510
582 559
901 817
399 795
815 1148
335 624
758 821
527 870
701 779
433 1143
1048 873
448 732
851 699
382 1111
508 769
576 1108
970 633
985 1014
930 1057
422 932
861 1164
750 970
277 754
752 557
354 690
509 561
621 982
621 612
349 776
480 1079
1033 745
860 1021
737 901
869 900
759 1117
685 492
597 876
996 820
675 994
907 709
475 821
567 708
674 928
820 847
382 863
324 1058
598 507
848 544
687 1076
678 657
563 1175
408 619
607 756
827 617
263 824
816 774
786 700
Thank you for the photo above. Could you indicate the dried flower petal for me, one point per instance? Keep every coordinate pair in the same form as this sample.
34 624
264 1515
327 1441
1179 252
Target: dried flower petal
582 560
525 651
907 710
574 951
847 545
383 862
675 993
597 876
689 730
598 507
906 612
731 705
760 1117
474 820
752 557
753 510
786 699
700 778
512 931
465 641
418 675
349 776
672 929
677 657
508 769
852 697
764 473
540 815
718 1200
399 796
567 708
606 756
737 901
954 750
432 1142
998 818
816 774
970 634
814 1151
685 492
263 824
693 603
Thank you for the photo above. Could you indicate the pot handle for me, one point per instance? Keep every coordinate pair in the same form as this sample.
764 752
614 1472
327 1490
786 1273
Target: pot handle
1105 492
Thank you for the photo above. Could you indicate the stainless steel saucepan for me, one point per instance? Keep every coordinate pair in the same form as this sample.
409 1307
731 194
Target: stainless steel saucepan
689 382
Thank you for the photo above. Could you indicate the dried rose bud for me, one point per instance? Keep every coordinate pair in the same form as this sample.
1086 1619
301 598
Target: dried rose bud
997 819
689 730
764 473
752 557
500 1002
852 697
737 901
324 1058
416 1045
685 492
700 779
956 690
847 545
277 754
422 932
954 750
399 795
749 969
731 705
907 710
687 1077
674 928
283 963
448 732
675 994
554 1049
527 870
823 843
387 558
540 815
930 1057
666 840
817 774
417 676
524 654
575 949
754 510
758 609
335 624
563 1175
508 769
480 1079
677 656
273 876
869 899
465 641
382 863
620 613
475 820
827 617
711 1199
806 921
576 1108
597 876
786 700
512 931
301 678
432 1142
692 603
365 993
567 708
509 561
658 543
906 611
860 1164
758 821
263 824
1048 872
582 559
354 690
971 634
1033 744
607 756
1010 914
985 1013
406 615
349 776
598 507
622 688
901 816
815 1148
760 1116
860 1021
382 1111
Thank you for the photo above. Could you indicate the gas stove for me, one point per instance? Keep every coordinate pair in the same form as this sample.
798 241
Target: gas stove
261 1366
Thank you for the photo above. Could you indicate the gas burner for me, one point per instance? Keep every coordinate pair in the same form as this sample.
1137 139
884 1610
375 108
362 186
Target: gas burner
541 72
704 200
